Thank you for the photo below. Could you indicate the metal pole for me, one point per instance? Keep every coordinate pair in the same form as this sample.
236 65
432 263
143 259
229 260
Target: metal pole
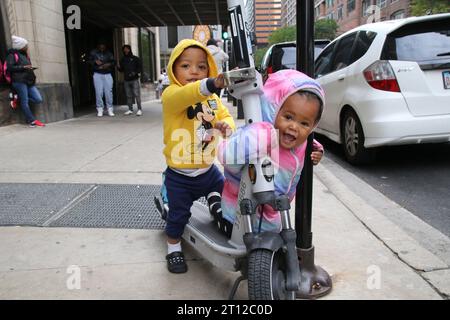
314 281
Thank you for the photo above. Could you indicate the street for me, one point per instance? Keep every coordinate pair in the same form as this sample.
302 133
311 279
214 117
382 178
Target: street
416 177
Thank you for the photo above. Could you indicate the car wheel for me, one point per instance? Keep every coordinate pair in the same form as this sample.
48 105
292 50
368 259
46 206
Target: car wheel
353 140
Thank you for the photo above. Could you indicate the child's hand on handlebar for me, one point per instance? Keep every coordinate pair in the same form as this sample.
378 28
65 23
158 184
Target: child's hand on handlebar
219 81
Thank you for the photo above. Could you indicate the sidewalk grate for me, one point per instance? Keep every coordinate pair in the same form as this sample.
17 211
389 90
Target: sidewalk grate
33 204
115 206
80 206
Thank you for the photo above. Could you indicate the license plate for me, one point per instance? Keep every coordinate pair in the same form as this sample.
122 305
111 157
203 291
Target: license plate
446 77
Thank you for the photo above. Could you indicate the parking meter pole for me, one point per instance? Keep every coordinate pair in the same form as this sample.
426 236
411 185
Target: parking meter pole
314 281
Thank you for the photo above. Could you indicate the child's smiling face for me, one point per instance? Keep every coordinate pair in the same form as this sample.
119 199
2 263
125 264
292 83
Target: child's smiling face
191 65
296 120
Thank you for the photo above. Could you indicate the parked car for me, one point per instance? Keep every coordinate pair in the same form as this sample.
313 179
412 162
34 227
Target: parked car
284 56
387 83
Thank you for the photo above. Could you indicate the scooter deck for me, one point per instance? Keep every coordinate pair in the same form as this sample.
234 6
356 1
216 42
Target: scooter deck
201 228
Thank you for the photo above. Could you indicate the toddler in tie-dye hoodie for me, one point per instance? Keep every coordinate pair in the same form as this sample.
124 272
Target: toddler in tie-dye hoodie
291 107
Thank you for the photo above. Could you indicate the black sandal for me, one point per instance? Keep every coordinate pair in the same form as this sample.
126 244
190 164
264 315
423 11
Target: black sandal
176 263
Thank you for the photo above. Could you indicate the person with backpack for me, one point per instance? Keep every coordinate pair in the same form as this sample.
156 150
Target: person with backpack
20 73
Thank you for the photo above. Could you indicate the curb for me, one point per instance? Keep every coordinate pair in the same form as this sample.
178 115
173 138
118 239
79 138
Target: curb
430 267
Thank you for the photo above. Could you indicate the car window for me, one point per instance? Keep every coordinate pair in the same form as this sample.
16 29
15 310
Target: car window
323 62
266 58
362 44
343 52
433 37
284 58
317 51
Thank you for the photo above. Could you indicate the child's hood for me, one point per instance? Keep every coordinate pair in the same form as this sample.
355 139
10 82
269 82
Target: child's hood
282 84
178 50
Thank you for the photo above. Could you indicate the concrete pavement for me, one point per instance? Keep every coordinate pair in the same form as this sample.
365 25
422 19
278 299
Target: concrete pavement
368 255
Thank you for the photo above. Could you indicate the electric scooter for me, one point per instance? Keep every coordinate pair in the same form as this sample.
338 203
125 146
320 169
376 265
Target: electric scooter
268 260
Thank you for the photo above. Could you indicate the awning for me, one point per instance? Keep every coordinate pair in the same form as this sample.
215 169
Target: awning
149 13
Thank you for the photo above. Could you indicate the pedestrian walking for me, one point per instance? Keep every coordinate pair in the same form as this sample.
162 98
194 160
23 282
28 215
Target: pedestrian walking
102 62
131 66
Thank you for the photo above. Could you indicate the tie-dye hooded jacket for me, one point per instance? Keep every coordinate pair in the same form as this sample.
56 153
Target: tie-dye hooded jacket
259 139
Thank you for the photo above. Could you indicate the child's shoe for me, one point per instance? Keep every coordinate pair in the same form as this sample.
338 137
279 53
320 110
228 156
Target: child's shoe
176 263
215 208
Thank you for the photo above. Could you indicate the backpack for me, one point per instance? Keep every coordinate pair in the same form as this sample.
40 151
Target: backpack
5 75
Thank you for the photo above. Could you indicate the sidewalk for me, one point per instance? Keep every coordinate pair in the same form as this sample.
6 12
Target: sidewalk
367 255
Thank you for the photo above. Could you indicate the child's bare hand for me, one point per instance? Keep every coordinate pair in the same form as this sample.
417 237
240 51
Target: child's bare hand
219 82
316 156
224 128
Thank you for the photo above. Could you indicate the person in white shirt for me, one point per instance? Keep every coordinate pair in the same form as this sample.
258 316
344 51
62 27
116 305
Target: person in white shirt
218 54
220 57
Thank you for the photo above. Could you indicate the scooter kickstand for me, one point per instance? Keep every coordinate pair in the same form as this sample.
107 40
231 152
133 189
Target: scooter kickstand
235 287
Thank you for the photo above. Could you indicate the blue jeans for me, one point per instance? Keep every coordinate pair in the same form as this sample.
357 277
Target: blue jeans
182 191
27 94
103 84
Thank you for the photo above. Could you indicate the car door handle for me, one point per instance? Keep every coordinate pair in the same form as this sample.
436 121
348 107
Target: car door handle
341 77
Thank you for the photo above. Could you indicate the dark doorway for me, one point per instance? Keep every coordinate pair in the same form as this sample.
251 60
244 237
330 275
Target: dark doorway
79 45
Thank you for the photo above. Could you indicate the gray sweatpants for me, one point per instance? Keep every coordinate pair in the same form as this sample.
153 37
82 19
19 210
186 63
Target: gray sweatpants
133 91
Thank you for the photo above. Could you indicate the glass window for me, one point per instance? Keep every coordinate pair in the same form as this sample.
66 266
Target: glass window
381 3
365 6
284 58
362 44
323 63
350 6
343 52
433 37
400 14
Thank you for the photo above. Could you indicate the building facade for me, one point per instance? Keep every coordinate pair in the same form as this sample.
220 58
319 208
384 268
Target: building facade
352 13
267 19
63 76
288 13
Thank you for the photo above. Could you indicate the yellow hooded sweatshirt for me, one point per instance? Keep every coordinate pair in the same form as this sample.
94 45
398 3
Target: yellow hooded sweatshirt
188 115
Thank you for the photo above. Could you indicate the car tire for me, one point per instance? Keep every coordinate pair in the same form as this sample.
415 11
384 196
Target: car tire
352 136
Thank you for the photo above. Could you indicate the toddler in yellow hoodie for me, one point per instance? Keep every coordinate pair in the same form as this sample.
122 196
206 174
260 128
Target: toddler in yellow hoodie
192 114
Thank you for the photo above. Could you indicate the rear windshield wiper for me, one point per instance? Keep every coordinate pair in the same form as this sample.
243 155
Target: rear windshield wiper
434 66
443 54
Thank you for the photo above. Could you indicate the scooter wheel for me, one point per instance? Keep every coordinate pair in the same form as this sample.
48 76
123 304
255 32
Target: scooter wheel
267 276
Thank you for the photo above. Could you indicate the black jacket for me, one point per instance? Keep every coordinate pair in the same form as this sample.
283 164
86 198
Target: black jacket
104 57
131 66
16 69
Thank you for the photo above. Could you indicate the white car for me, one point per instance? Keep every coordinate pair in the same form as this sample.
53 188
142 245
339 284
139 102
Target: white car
387 83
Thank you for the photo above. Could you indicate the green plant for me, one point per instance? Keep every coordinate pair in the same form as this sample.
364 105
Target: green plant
424 7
